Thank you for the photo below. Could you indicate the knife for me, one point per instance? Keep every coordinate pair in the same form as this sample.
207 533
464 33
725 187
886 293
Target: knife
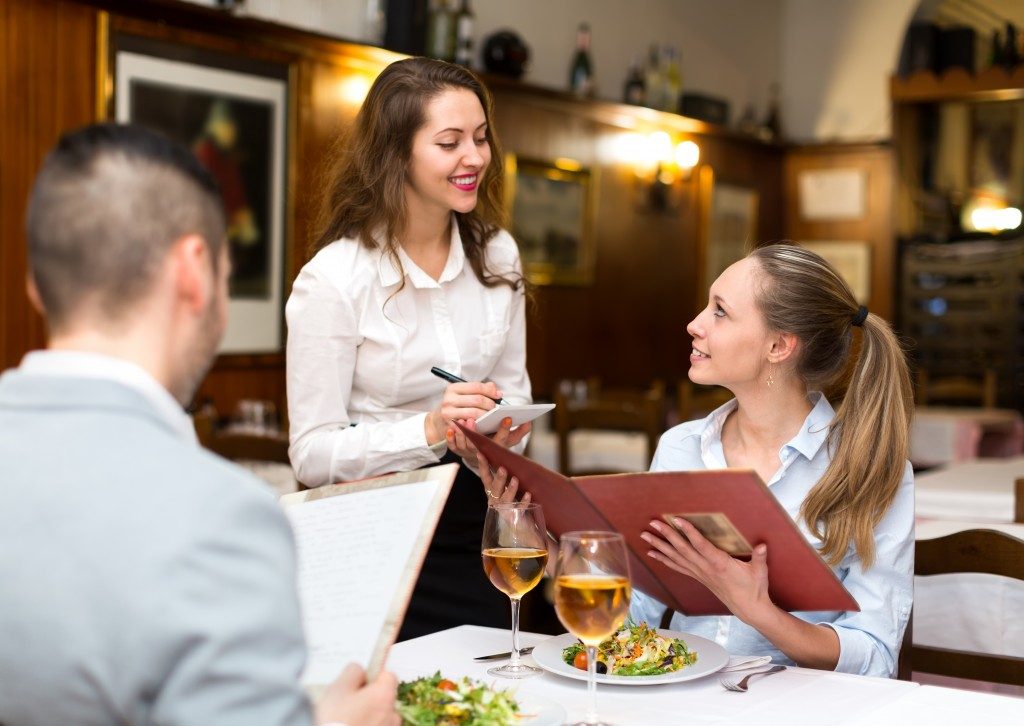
506 654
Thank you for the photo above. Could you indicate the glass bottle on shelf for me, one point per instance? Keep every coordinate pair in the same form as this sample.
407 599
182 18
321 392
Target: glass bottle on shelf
464 35
653 79
771 129
673 80
1011 52
581 71
441 32
634 91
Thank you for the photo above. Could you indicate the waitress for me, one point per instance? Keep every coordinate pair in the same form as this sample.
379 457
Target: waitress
412 270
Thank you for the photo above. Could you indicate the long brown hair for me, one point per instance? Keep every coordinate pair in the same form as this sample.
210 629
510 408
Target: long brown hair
869 438
365 194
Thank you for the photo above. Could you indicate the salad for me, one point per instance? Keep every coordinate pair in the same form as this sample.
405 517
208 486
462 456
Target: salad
635 650
436 700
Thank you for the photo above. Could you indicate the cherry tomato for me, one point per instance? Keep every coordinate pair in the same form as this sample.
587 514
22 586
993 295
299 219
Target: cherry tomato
580 661
445 685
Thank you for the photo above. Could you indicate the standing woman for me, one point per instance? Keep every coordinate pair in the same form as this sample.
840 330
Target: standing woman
412 270
778 329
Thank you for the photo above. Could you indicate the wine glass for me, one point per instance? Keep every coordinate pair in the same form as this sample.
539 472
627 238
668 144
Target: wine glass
592 595
514 552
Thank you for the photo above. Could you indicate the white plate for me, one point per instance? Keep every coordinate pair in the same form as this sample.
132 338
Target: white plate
711 658
542 711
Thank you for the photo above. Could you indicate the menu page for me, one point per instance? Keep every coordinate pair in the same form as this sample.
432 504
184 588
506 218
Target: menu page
360 547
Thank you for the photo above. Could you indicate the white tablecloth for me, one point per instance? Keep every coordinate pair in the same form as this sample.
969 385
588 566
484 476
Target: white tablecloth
797 696
980 490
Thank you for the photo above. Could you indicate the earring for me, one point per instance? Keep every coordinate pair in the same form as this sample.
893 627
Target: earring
770 380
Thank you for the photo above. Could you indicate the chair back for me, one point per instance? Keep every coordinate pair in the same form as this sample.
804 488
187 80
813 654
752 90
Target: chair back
608 410
694 401
961 390
239 445
975 550
1018 501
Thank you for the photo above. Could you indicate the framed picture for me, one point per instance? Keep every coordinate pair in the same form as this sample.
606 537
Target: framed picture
996 143
232 113
852 260
553 207
729 228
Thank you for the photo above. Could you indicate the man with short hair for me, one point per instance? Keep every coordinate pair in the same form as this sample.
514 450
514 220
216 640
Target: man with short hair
144 579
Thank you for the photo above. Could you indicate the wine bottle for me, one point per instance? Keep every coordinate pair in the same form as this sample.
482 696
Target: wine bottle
441 32
653 80
673 81
581 72
772 127
634 91
464 35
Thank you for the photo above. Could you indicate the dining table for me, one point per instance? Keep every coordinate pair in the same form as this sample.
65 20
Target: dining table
949 434
981 490
796 696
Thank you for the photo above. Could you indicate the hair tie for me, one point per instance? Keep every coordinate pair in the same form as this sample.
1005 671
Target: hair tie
860 317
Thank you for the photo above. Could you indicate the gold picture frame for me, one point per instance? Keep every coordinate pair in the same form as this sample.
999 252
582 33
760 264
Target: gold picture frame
728 228
552 207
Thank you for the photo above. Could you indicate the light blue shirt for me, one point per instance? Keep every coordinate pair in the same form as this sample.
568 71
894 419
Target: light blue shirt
869 640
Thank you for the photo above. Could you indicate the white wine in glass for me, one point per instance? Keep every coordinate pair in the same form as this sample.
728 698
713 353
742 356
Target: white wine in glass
514 553
592 592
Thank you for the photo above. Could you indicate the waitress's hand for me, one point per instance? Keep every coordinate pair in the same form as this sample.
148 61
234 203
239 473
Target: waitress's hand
459 443
497 485
741 586
461 401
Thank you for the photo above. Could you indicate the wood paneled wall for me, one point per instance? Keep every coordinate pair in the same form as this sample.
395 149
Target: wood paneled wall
47 85
628 327
876 226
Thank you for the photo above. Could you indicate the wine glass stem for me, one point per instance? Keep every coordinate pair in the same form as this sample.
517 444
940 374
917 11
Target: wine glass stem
591 684
515 632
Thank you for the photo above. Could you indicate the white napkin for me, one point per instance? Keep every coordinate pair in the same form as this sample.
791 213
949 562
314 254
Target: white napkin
744 662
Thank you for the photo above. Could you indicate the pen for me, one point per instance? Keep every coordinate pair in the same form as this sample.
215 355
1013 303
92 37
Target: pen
452 378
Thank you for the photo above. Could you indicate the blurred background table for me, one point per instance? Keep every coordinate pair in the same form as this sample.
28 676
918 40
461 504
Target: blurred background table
944 435
981 490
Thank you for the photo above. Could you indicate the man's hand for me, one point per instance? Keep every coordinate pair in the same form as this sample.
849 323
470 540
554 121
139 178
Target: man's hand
351 701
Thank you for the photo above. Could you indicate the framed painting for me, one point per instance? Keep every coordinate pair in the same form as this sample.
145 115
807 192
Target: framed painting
552 210
729 228
233 113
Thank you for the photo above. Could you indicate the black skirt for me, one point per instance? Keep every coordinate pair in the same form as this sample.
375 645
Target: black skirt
452 588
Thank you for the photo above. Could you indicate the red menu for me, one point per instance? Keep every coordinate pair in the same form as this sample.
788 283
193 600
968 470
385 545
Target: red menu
733 507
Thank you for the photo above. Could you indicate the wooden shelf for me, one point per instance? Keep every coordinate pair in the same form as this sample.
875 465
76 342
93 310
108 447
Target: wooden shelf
956 84
621 115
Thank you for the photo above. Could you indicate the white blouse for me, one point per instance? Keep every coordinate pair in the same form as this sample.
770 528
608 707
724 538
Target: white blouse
360 351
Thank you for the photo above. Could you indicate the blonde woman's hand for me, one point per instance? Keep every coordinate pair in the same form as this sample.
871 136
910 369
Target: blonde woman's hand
741 586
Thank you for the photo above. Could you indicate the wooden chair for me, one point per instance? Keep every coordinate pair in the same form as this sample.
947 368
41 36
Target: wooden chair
608 410
235 445
694 401
960 390
976 550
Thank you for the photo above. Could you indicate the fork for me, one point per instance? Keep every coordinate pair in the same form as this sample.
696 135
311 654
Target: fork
741 686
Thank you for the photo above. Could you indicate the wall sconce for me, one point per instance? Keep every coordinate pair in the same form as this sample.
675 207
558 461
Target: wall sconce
658 161
354 88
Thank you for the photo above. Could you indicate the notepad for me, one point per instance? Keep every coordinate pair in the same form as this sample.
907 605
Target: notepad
360 547
520 414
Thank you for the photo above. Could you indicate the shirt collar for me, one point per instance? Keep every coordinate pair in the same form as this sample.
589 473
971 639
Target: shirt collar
389 273
80 364
807 441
